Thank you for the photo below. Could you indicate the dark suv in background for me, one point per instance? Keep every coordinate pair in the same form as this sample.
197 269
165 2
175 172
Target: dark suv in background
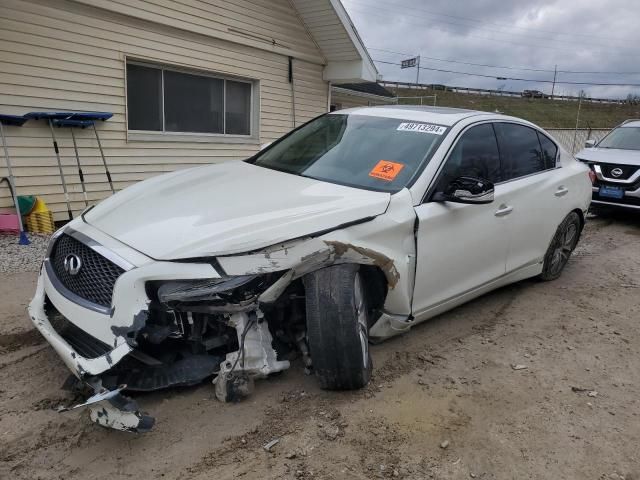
533 94
615 161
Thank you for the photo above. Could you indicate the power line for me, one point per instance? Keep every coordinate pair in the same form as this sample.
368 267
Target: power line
527 69
502 25
520 79
464 63
502 41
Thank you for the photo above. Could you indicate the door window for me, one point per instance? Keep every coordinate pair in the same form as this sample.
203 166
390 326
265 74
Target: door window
520 151
475 155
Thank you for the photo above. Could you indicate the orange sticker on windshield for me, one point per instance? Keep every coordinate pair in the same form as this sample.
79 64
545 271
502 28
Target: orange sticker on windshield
386 170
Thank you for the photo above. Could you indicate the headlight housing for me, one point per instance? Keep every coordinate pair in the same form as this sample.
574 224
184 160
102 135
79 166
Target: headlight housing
200 290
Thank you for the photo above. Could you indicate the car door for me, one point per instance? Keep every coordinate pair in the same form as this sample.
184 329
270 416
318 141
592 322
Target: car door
461 247
534 190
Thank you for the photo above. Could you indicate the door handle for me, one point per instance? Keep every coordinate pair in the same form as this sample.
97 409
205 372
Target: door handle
562 190
503 210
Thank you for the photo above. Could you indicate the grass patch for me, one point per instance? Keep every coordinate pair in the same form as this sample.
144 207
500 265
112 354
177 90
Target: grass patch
544 112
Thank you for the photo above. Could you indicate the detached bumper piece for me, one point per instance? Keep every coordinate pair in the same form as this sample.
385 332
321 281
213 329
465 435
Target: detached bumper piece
146 378
111 409
121 413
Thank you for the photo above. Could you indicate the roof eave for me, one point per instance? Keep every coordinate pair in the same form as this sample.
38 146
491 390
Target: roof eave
349 65
369 72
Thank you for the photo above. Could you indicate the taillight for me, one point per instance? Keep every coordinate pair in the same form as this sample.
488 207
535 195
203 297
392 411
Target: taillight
592 177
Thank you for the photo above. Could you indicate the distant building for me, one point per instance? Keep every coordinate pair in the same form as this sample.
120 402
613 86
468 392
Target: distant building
365 94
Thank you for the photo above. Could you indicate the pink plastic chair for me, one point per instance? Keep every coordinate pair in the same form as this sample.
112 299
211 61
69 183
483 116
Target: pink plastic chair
9 223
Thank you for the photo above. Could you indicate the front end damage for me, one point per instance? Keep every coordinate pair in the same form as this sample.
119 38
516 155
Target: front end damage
232 319
191 330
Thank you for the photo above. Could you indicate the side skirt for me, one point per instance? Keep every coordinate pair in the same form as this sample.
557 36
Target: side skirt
528 271
389 325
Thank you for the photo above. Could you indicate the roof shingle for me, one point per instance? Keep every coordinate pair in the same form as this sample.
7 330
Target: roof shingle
369 87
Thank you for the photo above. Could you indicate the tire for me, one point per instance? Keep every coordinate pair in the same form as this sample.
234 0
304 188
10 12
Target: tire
338 327
562 246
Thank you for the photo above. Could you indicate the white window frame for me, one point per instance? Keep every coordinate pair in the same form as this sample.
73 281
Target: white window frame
199 137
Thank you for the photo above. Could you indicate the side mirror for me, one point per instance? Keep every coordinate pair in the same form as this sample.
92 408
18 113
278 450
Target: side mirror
590 143
467 190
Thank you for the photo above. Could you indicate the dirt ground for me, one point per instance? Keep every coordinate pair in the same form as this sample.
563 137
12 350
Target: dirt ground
445 401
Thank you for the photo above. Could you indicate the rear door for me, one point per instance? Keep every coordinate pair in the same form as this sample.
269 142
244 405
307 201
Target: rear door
535 191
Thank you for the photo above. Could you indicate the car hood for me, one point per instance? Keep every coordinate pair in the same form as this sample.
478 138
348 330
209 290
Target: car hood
227 208
610 155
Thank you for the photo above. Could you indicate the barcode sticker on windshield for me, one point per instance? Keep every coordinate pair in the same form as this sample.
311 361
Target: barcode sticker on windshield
422 128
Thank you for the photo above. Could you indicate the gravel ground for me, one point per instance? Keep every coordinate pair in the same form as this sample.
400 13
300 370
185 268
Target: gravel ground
16 258
533 381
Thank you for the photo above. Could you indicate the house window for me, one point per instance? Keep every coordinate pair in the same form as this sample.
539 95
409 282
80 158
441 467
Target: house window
160 99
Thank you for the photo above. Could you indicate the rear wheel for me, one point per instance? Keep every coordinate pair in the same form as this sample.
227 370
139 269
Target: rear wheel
338 327
562 245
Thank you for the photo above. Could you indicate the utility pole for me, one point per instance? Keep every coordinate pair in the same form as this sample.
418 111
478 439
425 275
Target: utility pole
555 76
418 72
575 133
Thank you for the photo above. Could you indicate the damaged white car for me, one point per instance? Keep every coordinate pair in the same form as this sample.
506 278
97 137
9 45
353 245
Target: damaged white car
352 228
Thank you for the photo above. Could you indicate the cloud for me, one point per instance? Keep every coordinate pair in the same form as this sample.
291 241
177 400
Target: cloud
582 36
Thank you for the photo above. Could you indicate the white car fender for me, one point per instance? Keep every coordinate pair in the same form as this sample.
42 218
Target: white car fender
386 241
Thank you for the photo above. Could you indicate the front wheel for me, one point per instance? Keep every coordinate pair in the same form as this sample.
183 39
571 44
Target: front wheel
562 245
337 312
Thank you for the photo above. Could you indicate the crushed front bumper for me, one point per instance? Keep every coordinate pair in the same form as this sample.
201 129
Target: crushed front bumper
113 327
109 409
101 344
94 340
79 365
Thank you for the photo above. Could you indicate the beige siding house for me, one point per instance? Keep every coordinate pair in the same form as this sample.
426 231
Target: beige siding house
188 81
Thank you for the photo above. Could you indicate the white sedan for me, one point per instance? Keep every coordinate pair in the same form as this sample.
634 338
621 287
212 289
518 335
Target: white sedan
354 227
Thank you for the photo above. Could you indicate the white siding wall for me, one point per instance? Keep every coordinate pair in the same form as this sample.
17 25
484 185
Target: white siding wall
64 55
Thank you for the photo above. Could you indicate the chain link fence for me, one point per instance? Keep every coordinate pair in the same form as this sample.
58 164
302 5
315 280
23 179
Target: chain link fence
420 100
573 140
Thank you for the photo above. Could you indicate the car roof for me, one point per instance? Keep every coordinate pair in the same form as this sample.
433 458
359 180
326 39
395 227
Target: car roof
417 113
631 123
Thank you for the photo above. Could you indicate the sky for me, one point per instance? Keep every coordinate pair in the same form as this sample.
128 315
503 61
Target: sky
577 36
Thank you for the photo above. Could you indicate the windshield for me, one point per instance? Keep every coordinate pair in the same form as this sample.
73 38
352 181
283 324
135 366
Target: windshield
624 138
374 153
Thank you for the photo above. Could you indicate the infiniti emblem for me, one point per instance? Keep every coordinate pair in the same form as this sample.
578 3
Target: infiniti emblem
617 172
72 264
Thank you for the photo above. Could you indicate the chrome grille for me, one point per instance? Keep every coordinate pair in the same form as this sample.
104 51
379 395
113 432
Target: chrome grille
627 170
97 276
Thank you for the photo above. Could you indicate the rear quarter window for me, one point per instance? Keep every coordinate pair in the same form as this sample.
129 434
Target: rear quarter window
549 151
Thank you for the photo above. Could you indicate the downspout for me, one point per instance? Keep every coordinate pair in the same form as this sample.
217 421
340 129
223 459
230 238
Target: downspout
293 93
